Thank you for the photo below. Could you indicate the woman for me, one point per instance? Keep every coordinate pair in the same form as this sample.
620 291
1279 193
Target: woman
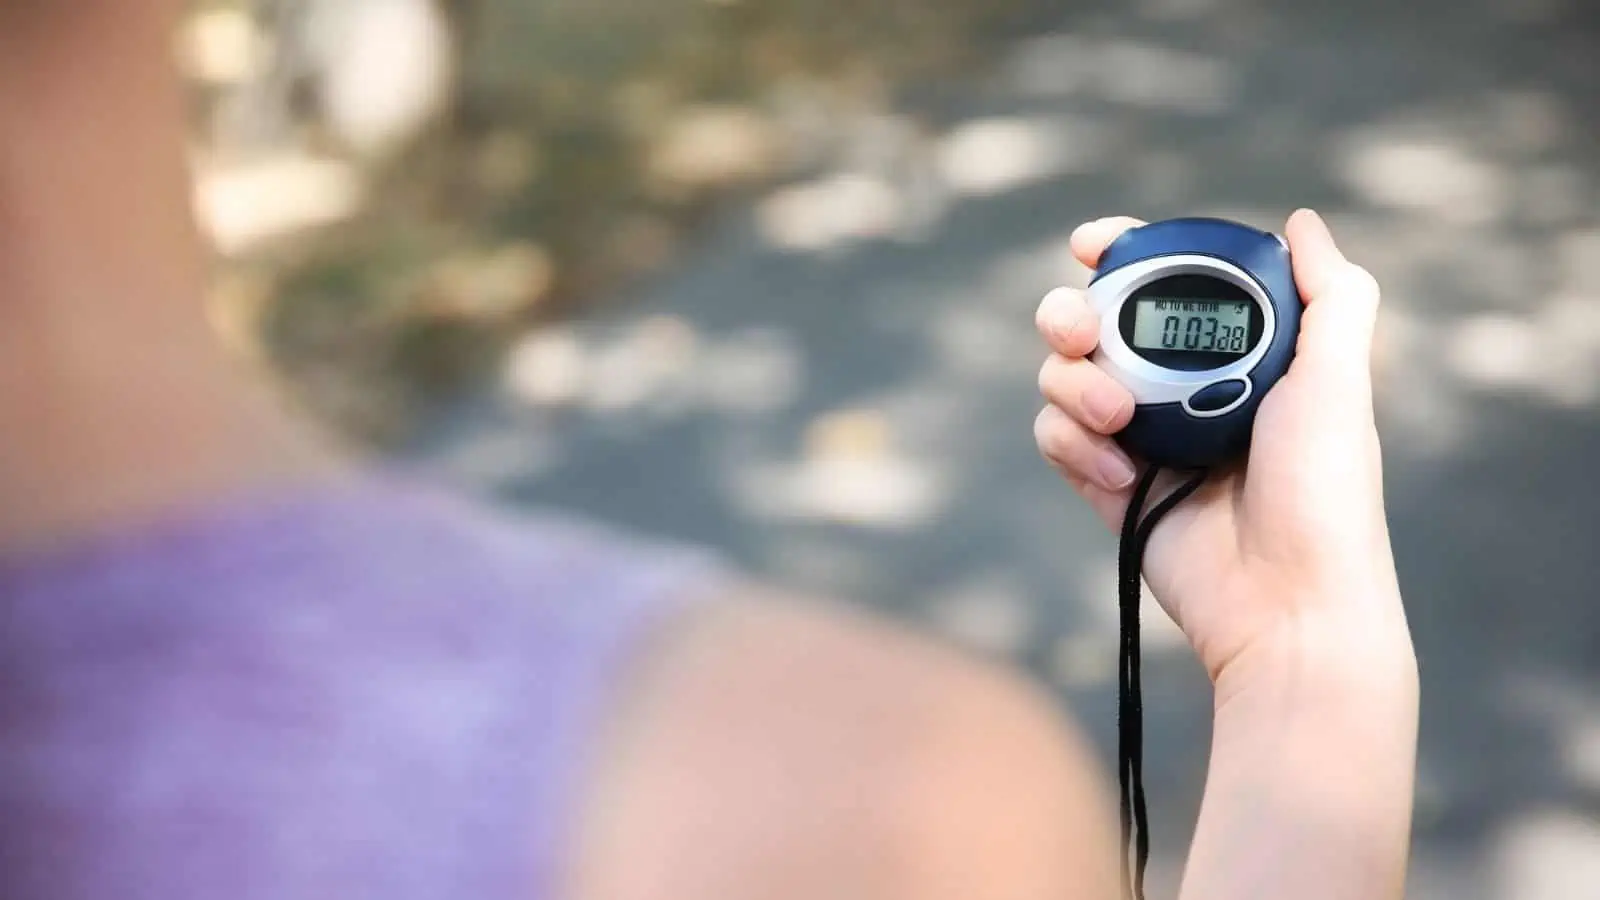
235 667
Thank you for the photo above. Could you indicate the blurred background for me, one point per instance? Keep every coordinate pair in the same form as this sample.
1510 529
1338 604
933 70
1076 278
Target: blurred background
760 274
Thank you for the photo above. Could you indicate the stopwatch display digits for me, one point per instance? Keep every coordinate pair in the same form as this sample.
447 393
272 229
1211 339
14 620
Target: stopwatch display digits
1191 322
1192 325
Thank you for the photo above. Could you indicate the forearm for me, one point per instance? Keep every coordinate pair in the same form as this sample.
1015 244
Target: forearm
1309 793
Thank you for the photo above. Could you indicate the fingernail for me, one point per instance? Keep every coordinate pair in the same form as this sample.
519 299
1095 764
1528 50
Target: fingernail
1115 471
1103 406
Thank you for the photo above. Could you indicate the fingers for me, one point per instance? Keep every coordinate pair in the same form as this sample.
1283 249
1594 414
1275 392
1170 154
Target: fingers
1068 323
1086 394
1341 301
1086 403
1092 238
1080 453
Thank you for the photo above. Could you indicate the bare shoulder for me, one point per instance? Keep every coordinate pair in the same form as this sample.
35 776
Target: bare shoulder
775 748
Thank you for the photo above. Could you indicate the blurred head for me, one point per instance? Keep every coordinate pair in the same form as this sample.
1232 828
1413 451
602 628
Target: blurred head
85 57
102 274
54 12
38 28
92 130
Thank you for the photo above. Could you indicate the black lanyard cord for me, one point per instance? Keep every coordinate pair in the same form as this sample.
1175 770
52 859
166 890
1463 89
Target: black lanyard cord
1137 528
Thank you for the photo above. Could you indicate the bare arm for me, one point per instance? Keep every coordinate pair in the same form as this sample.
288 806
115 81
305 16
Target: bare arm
776 750
1309 793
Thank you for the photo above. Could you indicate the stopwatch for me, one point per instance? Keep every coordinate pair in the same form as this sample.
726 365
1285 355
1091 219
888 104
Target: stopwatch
1199 319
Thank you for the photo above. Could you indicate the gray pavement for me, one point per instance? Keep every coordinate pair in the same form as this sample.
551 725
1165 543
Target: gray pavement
836 387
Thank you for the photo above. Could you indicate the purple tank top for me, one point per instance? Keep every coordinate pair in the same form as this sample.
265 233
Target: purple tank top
372 692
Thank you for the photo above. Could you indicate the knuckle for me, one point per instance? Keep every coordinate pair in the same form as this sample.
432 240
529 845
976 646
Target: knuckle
1060 320
1086 335
1123 409
1360 281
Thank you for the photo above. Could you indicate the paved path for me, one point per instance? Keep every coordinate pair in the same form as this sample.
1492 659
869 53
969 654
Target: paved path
836 389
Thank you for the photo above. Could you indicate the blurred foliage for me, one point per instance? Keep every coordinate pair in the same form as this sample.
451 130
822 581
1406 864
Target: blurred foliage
577 147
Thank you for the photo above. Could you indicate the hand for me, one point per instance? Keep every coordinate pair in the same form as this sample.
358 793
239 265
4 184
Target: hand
1286 558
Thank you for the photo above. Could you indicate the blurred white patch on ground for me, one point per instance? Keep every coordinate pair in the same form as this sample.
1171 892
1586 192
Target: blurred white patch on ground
385 69
643 369
1432 175
989 613
831 212
1134 73
1582 749
1554 353
992 156
222 47
1549 854
887 182
659 365
244 205
548 368
849 471
714 145
1083 660
886 493
496 283
1496 350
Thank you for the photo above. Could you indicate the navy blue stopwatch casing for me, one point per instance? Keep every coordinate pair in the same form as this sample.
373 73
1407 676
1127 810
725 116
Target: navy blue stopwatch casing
1199 319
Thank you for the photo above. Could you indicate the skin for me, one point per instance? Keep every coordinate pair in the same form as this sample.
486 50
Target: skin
117 402
766 746
1280 574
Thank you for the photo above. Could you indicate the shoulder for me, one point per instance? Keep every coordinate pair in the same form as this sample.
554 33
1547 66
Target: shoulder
776 748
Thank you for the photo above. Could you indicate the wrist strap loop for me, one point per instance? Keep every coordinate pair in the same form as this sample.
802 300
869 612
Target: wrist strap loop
1137 528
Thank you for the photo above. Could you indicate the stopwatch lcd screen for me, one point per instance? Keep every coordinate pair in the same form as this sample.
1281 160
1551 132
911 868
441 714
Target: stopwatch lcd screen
1184 323
1192 322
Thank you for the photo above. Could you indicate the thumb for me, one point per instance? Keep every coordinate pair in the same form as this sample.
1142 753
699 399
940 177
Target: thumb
1341 315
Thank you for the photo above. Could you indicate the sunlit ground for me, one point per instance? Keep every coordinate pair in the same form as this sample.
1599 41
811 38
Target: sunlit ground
835 388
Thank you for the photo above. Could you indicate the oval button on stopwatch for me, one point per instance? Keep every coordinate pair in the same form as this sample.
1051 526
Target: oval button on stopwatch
1219 396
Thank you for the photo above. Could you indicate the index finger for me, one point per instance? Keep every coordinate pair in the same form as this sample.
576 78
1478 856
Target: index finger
1092 238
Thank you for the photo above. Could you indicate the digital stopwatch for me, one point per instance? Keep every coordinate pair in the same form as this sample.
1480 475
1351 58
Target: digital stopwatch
1199 319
